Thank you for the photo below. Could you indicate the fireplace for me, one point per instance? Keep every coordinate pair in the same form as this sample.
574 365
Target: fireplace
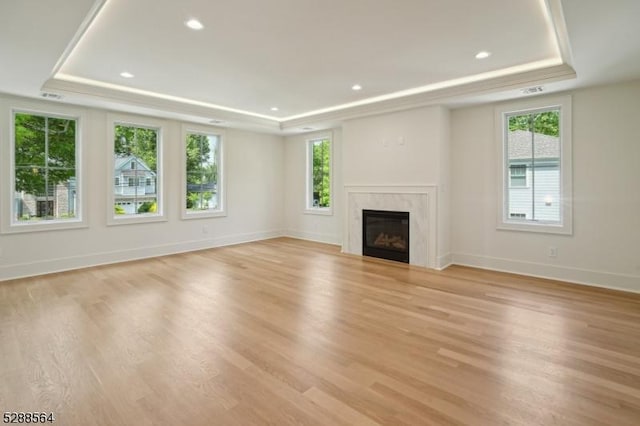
385 234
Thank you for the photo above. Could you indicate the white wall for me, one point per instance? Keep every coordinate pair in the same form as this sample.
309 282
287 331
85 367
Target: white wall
407 148
266 190
254 176
400 148
605 246
299 224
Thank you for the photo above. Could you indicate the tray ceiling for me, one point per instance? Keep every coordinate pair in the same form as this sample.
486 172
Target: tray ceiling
304 56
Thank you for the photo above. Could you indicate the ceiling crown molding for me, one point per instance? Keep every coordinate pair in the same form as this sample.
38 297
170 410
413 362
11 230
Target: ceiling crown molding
97 93
82 29
83 92
442 96
559 25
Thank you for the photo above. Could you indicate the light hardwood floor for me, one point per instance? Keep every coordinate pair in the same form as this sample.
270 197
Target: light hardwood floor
292 332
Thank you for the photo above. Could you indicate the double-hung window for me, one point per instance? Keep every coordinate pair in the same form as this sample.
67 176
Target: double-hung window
535 149
319 163
45 172
135 149
203 184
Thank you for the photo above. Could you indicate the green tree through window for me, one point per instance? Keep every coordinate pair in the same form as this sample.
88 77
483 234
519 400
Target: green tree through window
321 173
139 141
546 123
45 167
202 153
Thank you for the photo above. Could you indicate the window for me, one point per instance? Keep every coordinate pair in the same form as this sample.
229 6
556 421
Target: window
535 146
137 161
203 172
319 196
45 170
136 147
518 174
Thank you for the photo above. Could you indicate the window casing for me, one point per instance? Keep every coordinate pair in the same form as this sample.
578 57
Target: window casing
535 174
135 193
45 163
319 193
203 172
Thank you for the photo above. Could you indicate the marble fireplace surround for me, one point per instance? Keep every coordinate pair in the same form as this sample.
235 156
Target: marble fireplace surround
418 200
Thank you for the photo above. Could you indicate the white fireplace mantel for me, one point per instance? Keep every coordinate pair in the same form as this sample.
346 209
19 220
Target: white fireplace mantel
419 200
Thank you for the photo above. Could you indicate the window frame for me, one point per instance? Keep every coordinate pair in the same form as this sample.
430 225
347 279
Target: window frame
191 128
309 207
527 106
9 224
147 123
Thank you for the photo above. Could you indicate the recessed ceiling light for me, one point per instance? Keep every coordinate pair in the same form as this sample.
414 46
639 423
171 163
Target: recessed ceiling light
126 74
306 129
483 55
194 24
356 87
274 108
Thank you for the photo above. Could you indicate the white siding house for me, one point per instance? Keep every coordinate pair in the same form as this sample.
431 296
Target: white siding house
534 176
134 183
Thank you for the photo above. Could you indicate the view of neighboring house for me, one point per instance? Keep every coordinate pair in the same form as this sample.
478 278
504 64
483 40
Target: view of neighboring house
134 183
56 202
534 176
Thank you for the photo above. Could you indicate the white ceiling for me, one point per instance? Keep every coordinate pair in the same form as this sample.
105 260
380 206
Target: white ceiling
303 56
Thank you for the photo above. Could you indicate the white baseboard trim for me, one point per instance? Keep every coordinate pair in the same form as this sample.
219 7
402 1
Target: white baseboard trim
313 236
61 264
580 276
444 261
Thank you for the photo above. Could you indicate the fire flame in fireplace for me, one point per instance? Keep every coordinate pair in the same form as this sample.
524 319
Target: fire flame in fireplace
386 241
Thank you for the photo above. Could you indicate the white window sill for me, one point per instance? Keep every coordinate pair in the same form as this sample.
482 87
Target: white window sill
135 219
319 211
186 215
546 228
49 225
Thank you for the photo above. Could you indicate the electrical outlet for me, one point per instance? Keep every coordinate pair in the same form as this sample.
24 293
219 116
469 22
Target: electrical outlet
205 230
553 251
